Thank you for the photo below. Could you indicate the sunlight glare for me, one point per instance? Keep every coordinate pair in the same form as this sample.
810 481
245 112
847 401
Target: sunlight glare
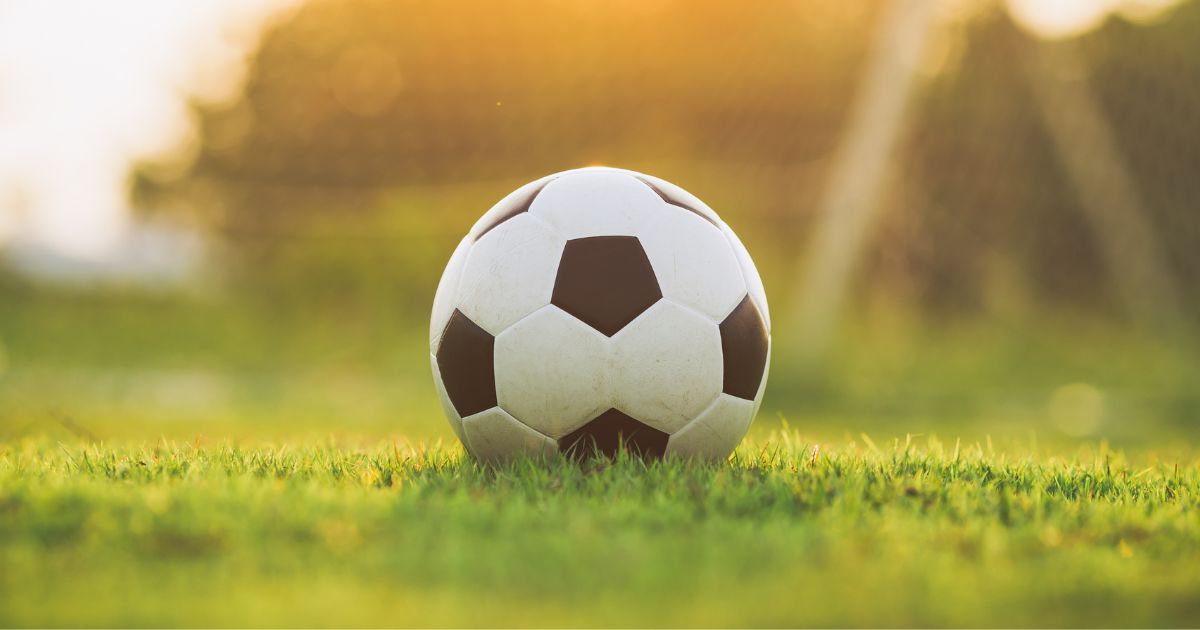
1063 19
91 88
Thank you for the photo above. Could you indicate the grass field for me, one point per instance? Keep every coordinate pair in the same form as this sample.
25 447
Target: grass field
199 462
915 532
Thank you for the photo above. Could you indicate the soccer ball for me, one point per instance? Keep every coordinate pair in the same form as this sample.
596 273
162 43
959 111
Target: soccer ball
597 310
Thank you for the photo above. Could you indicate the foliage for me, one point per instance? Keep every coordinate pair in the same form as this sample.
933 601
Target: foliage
362 123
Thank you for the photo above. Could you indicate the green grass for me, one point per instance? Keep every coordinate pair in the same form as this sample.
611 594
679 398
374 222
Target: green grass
317 534
206 461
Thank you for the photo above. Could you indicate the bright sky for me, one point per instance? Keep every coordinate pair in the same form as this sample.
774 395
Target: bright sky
88 87
1057 19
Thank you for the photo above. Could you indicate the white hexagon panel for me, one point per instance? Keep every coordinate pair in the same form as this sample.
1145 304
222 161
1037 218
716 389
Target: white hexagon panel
658 379
597 311
552 371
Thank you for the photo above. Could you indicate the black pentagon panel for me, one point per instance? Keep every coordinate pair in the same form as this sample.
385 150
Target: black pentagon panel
610 432
605 281
465 360
676 202
519 207
744 347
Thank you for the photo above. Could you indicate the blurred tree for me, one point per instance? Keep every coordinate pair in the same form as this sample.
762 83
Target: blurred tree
374 131
352 95
358 110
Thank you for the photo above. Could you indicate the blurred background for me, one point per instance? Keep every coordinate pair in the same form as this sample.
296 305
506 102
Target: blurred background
226 219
